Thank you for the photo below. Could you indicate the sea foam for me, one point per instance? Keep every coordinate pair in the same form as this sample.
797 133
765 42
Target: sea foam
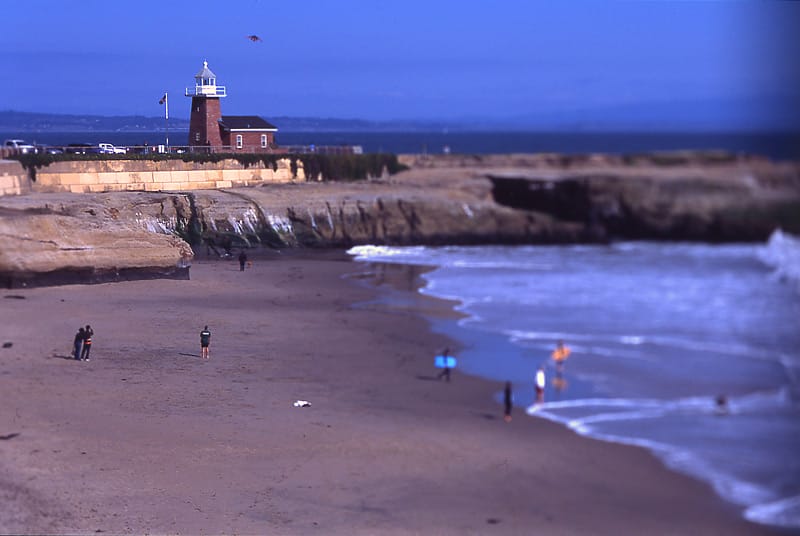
782 253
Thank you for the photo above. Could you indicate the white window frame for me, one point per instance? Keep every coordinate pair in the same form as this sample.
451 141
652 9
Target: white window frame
239 140
263 141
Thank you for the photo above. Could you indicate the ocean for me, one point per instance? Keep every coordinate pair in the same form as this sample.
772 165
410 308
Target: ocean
658 331
780 146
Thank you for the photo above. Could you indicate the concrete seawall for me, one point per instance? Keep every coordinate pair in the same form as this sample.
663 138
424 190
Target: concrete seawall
140 175
13 179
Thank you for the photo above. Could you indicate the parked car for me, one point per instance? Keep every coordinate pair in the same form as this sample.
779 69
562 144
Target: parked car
20 145
107 148
48 149
83 148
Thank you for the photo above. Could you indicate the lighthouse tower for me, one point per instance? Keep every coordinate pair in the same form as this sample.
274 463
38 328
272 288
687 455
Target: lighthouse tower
204 128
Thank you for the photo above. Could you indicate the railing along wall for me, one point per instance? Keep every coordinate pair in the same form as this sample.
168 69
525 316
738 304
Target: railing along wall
7 152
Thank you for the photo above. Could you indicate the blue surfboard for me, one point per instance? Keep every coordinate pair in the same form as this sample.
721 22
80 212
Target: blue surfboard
441 361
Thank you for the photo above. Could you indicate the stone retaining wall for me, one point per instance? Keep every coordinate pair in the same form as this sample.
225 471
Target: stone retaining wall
13 178
142 175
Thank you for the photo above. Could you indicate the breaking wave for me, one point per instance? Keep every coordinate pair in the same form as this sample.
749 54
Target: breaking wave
782 254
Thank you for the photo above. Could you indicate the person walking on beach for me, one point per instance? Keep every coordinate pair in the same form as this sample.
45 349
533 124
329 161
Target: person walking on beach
508 402
77 345
540 383
242 260
205 340
445 373
87 342
559 355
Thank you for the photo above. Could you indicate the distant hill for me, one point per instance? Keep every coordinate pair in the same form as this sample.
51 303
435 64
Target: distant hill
740 115
39 122
44 122
331 124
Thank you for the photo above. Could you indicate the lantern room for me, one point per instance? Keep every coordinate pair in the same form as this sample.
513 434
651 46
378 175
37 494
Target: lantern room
205 84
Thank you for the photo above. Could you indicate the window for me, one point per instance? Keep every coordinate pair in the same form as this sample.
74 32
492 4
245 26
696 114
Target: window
263 141
238 141
197 136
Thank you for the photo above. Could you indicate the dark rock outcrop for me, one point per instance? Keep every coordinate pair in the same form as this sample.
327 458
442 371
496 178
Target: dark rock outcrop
643 207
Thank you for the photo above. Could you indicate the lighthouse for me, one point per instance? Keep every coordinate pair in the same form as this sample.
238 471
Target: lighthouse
209 129
204 128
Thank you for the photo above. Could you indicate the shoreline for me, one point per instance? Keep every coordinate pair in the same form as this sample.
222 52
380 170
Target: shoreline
148 438
444 311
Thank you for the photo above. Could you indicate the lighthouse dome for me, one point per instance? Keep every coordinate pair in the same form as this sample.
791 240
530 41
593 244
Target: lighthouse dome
206 74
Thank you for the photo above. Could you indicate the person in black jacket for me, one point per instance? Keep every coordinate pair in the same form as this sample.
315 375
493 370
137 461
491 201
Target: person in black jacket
77 345
87 342
205 341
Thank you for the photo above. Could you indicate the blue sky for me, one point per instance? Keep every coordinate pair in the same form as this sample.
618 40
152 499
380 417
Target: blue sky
512 60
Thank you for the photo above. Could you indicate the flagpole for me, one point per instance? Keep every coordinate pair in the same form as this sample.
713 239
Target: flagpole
166 117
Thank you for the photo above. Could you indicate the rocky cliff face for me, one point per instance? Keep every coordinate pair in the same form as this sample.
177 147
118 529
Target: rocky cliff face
631 208
62 237
48 239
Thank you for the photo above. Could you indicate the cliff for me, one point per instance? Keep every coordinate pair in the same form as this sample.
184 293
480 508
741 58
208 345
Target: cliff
51 241
510 199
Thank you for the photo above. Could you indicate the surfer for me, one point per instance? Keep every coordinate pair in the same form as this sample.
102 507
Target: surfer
508 402
540 383
721 405
242 260
559 355
445 373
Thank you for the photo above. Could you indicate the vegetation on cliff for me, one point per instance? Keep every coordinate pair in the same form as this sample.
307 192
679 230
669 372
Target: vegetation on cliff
327 167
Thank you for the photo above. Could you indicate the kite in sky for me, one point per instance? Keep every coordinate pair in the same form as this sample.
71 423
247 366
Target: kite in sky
254 38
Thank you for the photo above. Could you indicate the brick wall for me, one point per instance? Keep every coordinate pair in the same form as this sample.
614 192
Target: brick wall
251 141
204 122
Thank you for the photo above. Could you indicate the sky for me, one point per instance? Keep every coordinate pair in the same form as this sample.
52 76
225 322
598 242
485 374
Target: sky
724 63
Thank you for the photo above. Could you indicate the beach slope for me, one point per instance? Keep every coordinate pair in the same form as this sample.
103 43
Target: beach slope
148 438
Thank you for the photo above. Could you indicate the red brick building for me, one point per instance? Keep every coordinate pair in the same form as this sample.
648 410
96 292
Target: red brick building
247 133
208 128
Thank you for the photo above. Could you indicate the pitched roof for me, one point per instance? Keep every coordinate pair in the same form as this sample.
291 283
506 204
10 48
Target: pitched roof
205 72
245 122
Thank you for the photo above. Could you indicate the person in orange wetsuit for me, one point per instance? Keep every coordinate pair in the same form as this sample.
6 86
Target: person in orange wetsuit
559 355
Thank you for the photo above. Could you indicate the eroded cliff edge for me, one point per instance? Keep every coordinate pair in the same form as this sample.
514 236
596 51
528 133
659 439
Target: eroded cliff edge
503 199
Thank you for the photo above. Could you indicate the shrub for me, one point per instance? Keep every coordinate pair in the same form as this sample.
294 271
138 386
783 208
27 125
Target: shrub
332 167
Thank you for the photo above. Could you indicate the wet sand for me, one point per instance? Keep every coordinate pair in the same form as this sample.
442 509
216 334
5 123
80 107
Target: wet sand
148 438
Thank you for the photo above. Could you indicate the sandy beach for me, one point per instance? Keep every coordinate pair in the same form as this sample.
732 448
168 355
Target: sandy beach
147 438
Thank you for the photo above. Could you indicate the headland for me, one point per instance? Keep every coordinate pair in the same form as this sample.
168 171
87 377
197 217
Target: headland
144 218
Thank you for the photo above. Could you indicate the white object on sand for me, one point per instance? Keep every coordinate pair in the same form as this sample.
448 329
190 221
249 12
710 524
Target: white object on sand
302 404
